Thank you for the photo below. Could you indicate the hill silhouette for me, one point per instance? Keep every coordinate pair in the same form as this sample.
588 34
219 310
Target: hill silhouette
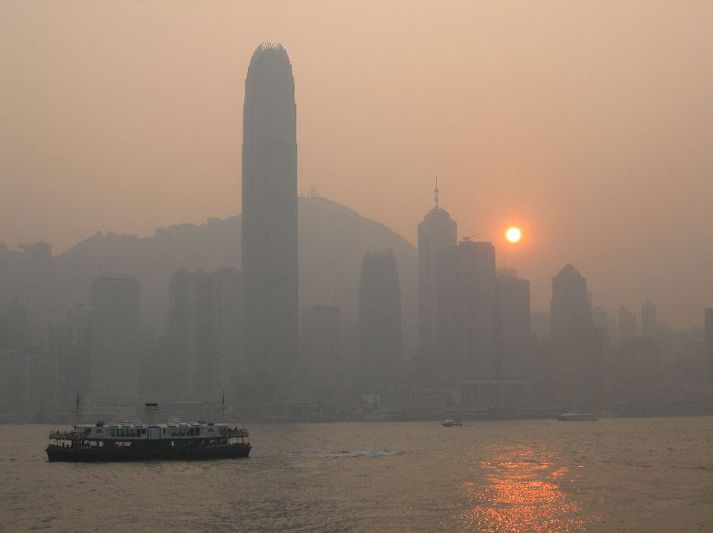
333 240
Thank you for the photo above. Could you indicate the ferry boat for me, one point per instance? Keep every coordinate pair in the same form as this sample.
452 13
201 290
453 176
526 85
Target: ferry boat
451 422
139 442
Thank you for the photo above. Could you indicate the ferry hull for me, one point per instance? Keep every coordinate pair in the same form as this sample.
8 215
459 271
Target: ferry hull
76 454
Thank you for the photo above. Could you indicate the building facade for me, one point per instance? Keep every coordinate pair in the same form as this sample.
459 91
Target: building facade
380 323
467 312
269 216
436 233
115 339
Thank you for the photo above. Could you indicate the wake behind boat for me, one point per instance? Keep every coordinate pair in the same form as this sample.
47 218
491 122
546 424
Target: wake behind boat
577 416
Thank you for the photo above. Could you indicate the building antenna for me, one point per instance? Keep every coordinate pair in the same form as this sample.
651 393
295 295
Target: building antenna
77 407
435 194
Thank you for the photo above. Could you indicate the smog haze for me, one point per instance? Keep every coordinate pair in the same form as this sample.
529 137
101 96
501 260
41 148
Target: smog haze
588 124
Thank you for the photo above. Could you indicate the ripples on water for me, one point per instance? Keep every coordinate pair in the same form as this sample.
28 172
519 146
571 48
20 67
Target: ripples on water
521 489
644 475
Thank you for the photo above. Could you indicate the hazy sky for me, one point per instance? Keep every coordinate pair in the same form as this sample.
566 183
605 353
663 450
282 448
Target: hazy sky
589 123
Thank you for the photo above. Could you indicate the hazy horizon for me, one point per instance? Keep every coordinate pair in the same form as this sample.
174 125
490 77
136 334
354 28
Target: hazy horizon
589 124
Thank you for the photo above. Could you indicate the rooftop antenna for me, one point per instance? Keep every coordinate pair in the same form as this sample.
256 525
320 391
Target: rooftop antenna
77 406
222 405
435 194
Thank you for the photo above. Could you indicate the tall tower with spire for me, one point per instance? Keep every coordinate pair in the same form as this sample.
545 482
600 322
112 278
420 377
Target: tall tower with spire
436 233
269 220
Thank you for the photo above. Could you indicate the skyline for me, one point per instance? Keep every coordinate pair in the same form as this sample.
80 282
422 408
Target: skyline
503 120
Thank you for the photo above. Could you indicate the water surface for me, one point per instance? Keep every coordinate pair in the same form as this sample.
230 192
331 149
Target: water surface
651 474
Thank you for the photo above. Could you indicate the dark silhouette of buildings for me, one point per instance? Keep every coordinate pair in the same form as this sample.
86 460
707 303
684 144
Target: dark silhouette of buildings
436 233
628 328
69 345
15 327
380 323
467 311
115 339
321 346
204 335
577 360
649 321
269 227
708 320
515 340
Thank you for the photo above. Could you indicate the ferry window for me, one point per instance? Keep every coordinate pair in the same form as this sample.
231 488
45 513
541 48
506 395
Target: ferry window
99 430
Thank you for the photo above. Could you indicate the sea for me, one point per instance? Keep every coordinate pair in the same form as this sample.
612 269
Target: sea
645 474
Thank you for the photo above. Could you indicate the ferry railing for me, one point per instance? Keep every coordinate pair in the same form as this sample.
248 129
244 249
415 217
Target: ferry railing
64 435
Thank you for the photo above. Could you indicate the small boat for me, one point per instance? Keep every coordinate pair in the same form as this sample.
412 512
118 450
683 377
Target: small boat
451 422
577 416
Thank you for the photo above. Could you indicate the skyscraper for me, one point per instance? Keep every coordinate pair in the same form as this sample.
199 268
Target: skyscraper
571 312
380 322
115 338
436 233
321 345
575 340
204 334
649 321
269 219
467 311
515 342
708 319
628 327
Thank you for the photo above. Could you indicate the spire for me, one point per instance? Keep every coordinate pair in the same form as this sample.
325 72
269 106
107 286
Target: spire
435 194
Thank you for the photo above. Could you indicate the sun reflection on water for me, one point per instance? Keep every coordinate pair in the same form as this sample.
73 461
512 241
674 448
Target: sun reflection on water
521 490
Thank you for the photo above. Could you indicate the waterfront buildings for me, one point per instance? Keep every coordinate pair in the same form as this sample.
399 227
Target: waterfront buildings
467 307
269 220
203 353
436 233
628 328
575 341
649 321
115 339
380 323
321 346
514 336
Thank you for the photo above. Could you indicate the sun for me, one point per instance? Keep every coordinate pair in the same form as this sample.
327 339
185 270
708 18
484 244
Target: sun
513 234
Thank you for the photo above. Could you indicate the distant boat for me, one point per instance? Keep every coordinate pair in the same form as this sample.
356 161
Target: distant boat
577 416
451 422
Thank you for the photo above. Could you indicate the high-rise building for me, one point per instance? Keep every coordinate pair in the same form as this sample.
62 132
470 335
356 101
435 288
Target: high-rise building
575 341
467 311
15 328
628 328
204 334
436 233
649 321
269 219
380 323
115 339
515 341
571 310
708 317
69 345
321 345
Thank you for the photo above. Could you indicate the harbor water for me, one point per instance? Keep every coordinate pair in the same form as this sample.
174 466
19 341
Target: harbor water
649 474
